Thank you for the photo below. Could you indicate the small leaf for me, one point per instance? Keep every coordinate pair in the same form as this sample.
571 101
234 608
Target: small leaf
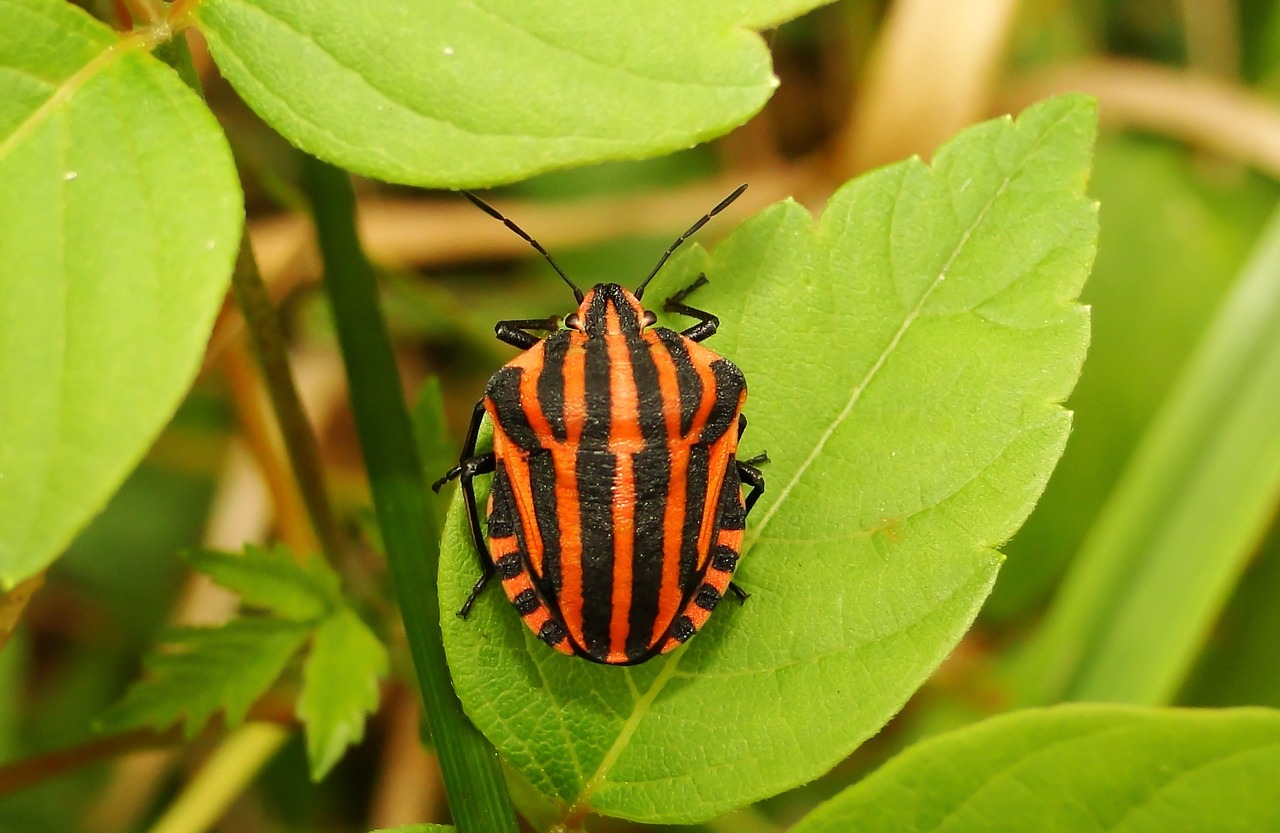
271 578
120 212
906 358
207 670
1075 769
340 687
457 93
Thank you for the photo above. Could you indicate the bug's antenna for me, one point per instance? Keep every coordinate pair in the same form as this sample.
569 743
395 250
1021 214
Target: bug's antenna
639 293
493 212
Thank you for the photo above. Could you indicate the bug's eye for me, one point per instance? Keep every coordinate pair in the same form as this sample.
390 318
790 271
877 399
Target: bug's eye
650 318
572 321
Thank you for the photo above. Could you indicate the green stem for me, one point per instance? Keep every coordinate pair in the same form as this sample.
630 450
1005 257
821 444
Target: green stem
472 775
226 774
268 339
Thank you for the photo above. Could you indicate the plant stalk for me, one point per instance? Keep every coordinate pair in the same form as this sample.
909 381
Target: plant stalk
472 775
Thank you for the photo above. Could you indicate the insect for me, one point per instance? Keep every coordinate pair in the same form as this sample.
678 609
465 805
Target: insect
616 515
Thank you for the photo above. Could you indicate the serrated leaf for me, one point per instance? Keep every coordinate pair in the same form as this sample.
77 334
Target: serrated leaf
340 687
119 216
456 93
207 670
273 579
1075 769
906 358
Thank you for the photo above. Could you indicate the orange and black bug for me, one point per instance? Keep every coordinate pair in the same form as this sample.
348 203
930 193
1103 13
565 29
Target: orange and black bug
616 512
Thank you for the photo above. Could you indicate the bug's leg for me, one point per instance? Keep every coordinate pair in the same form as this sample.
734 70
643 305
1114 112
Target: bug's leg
709 323
742 595
752 476
469 466
468 448
516 331
483 464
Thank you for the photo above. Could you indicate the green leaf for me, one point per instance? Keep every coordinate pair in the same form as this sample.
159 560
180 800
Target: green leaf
273 579
340 686
906 358
1075 769
456 93
418 828
207 670
1184 520
119 218
1172 243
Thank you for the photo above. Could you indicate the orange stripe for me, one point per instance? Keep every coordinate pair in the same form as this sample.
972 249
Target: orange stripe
564 460
669 596
624 439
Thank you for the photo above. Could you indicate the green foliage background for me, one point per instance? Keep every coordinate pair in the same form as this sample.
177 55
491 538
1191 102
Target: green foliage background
909 336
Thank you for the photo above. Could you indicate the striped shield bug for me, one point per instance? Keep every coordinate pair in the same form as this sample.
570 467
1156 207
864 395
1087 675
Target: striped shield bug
616 514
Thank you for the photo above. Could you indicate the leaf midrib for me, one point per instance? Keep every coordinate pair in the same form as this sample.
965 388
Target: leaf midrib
141 41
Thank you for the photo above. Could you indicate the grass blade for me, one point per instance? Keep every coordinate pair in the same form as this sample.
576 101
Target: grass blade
472 776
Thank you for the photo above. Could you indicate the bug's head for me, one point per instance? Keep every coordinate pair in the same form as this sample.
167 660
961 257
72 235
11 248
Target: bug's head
609 308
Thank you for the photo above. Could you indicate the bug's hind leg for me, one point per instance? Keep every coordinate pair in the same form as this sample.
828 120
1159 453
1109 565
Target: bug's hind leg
483 464
470 465
708 322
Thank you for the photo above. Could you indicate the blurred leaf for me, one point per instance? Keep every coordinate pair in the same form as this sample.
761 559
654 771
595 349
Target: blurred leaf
906 358
418 828
1075 769
207 670
1175 232
436 449
272 578
1238 667
119 218
340 686
1159 564
453 93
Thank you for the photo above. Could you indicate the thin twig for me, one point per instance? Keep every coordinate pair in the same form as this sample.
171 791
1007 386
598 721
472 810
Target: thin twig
1223 117
269 346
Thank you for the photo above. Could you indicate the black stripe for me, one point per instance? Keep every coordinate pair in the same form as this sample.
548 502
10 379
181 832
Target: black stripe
595 472
652 472
502 516
729 510
596 319
708 597
504 391
626 313
683 630
551 382
687 379
526 601
552 632
650 404
730 384
509 565
694 503
724 559
542 480
599 399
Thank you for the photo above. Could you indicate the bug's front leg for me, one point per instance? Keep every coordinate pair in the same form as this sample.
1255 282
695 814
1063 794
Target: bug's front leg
516 331
709 323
